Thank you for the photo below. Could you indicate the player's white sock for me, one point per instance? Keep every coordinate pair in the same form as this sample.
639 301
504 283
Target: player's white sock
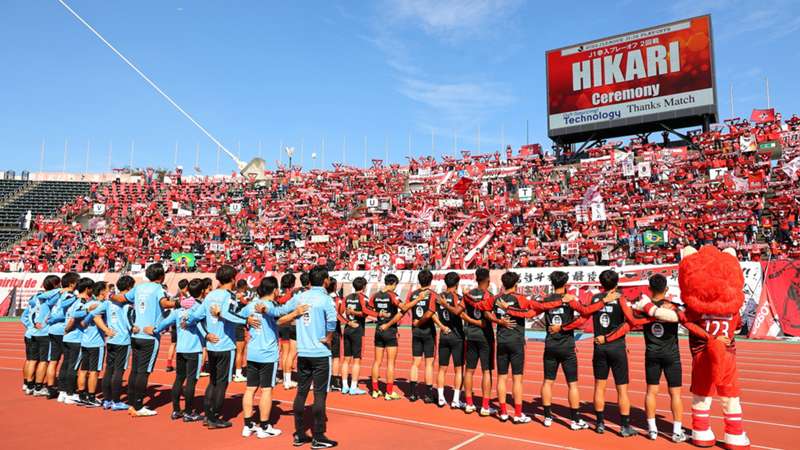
287 378
677 427
651 425
345 384
456 395
238 372
440 390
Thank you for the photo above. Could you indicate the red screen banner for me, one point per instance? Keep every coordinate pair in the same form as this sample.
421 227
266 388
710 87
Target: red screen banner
665 69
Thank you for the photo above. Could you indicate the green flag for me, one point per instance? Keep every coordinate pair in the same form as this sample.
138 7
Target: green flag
652 237
181 258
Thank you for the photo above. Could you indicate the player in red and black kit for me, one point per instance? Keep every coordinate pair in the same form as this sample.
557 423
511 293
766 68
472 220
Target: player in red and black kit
355 314
511 341
385 307
610 352
661 355
559 347
422 304
449 310
287 333
480 341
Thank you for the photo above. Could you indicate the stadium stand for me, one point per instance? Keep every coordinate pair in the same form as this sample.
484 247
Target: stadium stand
613 204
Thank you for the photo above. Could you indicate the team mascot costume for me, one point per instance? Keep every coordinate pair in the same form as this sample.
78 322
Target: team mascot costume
711 283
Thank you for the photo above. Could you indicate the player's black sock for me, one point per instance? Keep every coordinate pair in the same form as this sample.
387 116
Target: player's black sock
428 389
248 422
548 411
413 387
30 384
573 414
37 386
600 416
626 420
264 424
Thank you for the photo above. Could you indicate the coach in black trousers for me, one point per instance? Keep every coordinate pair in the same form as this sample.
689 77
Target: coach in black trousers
314 334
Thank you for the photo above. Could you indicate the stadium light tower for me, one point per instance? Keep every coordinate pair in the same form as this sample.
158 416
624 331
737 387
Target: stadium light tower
289 152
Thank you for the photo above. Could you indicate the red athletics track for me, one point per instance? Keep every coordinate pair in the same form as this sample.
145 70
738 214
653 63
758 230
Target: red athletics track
768 375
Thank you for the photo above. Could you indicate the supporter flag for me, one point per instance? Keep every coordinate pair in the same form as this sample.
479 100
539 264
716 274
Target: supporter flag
791 168
462 186
183 258
765 324
747 143
655 237
763 115
475 170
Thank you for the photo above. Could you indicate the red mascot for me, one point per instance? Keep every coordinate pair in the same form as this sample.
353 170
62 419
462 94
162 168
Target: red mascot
712 288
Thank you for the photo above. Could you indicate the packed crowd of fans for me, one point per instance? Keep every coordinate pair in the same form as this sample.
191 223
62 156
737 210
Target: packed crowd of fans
494 210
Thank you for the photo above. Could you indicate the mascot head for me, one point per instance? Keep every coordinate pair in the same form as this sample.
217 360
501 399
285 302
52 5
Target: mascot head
711 281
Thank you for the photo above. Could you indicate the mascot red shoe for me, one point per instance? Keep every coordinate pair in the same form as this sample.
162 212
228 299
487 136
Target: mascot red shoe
711 283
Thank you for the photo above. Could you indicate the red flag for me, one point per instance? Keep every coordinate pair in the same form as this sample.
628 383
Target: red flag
764 324
475 170
462 186
763 115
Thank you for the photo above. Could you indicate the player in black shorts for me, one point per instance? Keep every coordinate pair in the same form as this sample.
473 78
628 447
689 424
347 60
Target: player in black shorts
610 353
287 333
422 304
559 348
661 355
355 306
509 311
480 341
449 309
183 291
243 296
336 342
385 307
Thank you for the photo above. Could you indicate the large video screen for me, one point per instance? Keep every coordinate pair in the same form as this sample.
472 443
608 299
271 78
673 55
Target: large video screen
632 82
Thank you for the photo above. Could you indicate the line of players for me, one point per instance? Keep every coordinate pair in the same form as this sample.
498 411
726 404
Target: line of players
77 320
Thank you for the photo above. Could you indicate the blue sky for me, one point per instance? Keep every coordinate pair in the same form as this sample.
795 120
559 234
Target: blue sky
300 72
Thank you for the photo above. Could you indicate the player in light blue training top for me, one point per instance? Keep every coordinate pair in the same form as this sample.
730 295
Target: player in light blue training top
219 313
58 308
119 318
148 299
189 352
262 354
73 329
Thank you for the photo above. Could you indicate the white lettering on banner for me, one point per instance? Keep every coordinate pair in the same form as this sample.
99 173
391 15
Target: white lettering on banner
633 108
607 70
602 98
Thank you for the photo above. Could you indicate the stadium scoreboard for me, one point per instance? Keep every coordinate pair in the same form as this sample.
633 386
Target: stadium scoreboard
632 83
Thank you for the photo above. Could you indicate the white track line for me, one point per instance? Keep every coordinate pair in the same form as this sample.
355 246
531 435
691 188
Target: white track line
468 441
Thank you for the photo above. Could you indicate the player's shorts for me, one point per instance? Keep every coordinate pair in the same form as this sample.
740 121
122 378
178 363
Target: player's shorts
352 340
239 333
482 351
287 333
451 347
510 354
703 382
423 342
92 358
145 352
612 356
387 338
669 364
564 357
30 354
39 348
261 375
173 335
56 347
336 344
